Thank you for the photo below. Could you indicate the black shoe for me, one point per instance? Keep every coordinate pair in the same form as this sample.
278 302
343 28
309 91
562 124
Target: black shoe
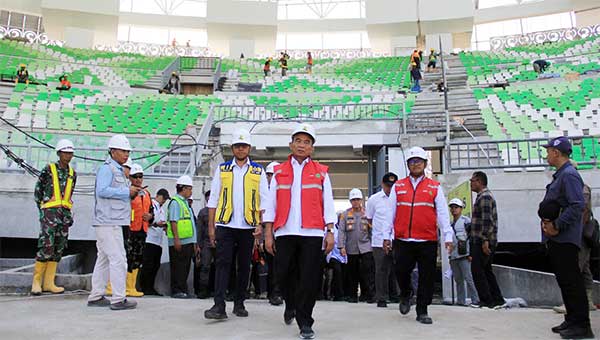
404 306
557 329
151 292
180 295
202 294
577 333
288 317
362 298
424 319
306 333
215 313
338 298
382 304
394 299
101 302
371 300
123 305
240 311
276 300
352 300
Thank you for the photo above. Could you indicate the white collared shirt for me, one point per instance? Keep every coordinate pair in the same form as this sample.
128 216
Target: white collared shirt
237 219
441 209
378 208
155 234
293 225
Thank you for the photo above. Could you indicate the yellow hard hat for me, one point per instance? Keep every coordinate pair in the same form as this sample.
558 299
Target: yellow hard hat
413 63
22 65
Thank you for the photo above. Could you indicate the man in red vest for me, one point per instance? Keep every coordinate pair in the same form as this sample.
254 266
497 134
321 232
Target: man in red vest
418 207
299 208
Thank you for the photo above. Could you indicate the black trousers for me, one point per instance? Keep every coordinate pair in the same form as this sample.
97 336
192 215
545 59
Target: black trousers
298 263
150 266
483 276
229 239
563 258
334 283
180 267
272 287
361 268
383 266
202 269
424 255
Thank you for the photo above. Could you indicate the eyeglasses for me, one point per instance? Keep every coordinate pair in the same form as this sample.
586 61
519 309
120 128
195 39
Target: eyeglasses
415 161
136 176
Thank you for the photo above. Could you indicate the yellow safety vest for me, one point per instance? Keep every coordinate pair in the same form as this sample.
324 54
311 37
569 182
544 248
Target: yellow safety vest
185 228
251 194
58 199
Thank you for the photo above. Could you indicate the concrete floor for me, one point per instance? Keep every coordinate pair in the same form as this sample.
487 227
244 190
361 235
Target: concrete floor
68 317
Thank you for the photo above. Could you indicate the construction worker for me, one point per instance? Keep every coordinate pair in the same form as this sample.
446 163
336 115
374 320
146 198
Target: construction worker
181 231
112 210
153 246
299 208
234 221
354 241
273 291
432 60
53 192
22 75
142 215
418 206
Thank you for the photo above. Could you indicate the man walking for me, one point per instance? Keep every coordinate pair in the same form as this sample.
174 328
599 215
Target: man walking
53 192
483 238
378 209
274 293
207 253
418 207
112 210
563 238
354 240
299 208
238 188
181 232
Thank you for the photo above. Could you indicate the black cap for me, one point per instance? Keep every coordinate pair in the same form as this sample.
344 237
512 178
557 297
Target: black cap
549 210
390 178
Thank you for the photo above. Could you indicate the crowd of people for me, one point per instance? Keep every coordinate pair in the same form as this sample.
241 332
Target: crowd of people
275 232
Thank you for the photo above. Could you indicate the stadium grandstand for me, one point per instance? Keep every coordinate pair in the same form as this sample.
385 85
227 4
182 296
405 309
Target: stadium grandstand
179 77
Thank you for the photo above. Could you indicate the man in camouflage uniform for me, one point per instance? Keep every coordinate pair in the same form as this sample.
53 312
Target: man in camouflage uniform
53 193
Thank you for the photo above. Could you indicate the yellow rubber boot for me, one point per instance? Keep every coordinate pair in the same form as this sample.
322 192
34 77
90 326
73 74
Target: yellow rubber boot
130 285
38 274
108 289
49 276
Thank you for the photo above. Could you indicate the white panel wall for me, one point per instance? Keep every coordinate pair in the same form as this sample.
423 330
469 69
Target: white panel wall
103 26
432 41
22 6
108 7
441 10
403 45
239 46
242 12
79 37
390 11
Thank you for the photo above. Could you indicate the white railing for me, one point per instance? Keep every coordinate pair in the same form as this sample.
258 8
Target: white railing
559 35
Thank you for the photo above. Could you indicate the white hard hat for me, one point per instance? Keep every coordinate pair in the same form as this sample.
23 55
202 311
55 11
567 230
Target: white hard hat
271 167
119 142
305 128
65 145
185 180
136 169
456 201
128 163
355 193
416 152
241 136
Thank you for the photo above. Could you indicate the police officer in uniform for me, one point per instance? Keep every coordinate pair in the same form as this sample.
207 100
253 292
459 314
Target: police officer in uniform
299 208
234 221
53 193
418 206
112 210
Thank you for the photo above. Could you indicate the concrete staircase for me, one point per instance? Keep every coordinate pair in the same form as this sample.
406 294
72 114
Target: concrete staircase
155 82
231 84
461 102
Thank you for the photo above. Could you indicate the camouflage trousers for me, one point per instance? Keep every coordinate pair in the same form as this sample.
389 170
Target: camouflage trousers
54 233
135 249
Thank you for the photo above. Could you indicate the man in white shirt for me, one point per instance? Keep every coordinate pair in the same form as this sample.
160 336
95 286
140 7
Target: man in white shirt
299 208
154 241
418 207
378 210
238 190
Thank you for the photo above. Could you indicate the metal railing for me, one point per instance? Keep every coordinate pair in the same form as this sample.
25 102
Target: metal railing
38 156
521 154
217 76
166 73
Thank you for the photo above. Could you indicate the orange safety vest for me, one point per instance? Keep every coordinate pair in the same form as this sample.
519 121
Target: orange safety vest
415 209
313 176
139 206
60 199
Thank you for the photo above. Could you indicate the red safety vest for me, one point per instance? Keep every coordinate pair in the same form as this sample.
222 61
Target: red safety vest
139 206
313 176
415 209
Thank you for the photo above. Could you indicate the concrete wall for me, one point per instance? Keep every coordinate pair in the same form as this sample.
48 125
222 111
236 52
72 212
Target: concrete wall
22 6
220 36
532 9
517 196
103 26
16 193
588 17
